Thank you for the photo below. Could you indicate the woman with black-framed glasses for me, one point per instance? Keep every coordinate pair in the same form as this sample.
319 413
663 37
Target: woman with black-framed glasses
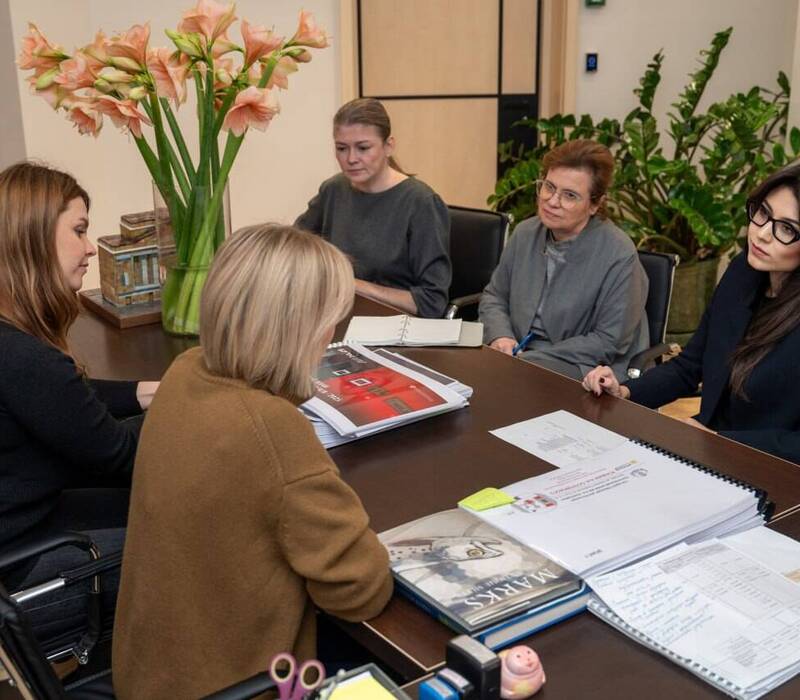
745 352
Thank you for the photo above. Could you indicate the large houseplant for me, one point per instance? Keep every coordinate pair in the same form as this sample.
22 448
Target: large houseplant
134 85
681 192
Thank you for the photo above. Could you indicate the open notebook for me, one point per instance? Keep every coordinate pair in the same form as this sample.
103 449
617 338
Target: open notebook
409 330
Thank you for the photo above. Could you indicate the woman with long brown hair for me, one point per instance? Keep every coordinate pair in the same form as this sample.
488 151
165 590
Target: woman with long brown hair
65 455
745 352
394 227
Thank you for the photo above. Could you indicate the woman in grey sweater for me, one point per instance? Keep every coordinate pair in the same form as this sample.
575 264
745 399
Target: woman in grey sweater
569 291
394 228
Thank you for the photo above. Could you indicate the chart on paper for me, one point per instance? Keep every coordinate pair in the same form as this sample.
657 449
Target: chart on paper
560 438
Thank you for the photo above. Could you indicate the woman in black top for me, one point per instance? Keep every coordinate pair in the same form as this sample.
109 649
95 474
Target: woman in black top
394 228
65 455
746 350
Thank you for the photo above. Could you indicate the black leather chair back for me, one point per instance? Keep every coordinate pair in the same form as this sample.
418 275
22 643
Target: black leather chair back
660 269
477 237
22 652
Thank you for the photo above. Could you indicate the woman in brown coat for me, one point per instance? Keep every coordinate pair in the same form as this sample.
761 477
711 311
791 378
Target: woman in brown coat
239 522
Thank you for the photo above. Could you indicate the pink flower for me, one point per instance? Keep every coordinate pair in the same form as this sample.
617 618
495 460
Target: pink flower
123 113
252 107
308 34
280 75
209 19
55 95
131 44
96 53
86 119
223 45
37 52
169 70
258 42
75 73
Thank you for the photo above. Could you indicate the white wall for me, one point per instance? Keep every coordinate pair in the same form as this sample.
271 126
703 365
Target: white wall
276 172
627 33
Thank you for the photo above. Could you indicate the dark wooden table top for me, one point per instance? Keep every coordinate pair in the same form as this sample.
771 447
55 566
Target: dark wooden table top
422 468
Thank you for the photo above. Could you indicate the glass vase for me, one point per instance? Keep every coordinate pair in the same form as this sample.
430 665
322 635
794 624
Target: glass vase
184 257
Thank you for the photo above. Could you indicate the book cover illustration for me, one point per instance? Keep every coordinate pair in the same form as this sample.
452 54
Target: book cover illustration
471 572
366 392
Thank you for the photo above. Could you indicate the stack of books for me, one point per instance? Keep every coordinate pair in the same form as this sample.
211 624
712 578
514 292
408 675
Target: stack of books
359 392
666 550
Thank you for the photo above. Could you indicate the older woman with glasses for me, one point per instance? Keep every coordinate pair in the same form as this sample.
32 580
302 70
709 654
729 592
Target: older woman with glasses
569 291
745 352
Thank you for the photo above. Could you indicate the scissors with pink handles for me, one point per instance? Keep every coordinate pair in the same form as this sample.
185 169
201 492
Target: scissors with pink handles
295 683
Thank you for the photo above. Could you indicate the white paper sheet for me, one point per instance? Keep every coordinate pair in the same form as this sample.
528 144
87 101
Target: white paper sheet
616 508
560 438
719 610
774 550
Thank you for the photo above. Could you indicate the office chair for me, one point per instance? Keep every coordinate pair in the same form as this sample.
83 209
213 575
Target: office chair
660 269
477 238
30 672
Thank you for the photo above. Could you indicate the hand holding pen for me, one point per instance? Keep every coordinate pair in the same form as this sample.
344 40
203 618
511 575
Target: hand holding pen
510 346
522 344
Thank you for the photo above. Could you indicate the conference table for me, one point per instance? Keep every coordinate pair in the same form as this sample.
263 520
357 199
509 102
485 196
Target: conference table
428 466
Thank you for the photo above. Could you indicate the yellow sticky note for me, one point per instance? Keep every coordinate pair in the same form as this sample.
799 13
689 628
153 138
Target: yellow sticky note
363 687
485 499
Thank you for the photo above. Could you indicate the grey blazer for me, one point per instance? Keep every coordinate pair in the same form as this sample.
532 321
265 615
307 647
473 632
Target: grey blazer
594 312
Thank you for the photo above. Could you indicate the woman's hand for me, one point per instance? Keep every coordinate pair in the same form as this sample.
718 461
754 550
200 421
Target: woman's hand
505 345
697 424
602 379
145 392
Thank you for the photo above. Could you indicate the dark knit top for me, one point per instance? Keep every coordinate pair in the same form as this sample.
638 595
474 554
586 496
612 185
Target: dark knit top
57 429
397 238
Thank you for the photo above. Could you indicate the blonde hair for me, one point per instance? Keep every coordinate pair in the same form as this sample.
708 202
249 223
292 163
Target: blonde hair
272 294
34 296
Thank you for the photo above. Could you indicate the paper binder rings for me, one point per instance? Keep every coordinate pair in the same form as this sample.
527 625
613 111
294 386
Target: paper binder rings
765 508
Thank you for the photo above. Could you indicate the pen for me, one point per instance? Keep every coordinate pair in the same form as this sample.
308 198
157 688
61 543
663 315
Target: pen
522 343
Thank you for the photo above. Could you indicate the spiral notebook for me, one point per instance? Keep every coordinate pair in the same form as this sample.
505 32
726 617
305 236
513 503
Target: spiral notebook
409 330
627 503
717 609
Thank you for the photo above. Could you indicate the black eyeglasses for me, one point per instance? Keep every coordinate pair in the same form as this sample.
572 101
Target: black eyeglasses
783 231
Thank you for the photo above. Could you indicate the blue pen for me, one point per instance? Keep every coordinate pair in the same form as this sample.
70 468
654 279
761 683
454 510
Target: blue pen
522 344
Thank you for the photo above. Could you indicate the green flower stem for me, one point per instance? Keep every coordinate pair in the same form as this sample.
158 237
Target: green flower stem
269 67
230 96
179 140
183 183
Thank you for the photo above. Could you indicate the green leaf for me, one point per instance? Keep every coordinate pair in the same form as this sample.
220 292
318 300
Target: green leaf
649 82
783 83
794 140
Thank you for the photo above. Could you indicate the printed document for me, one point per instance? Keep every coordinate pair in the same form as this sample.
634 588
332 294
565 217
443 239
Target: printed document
560 438
714 610
627 503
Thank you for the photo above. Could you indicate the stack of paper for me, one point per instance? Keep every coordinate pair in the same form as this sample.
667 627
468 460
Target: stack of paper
624 504
727 610
360 392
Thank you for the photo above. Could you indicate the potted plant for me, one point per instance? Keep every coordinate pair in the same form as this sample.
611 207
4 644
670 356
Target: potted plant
681 192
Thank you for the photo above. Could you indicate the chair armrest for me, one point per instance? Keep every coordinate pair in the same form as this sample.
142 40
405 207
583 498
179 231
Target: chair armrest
459 303
244 690
20 551
644 359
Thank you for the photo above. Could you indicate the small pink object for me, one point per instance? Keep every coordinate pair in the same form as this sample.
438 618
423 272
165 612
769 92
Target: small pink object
521 673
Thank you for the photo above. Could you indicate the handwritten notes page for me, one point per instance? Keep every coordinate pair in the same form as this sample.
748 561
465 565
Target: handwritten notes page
560 438
721 614
614 509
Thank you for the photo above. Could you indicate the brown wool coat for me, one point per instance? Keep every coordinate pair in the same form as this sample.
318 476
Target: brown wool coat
239 525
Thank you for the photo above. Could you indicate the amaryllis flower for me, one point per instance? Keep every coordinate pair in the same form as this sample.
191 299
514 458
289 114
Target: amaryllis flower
55 95
308 34
208 18
86 118
123 113
169 72
252 107
131 44
223 45
37 52
75 73
258 42
96 53
280 75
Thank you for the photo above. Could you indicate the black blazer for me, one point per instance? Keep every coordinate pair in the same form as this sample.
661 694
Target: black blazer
770 419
